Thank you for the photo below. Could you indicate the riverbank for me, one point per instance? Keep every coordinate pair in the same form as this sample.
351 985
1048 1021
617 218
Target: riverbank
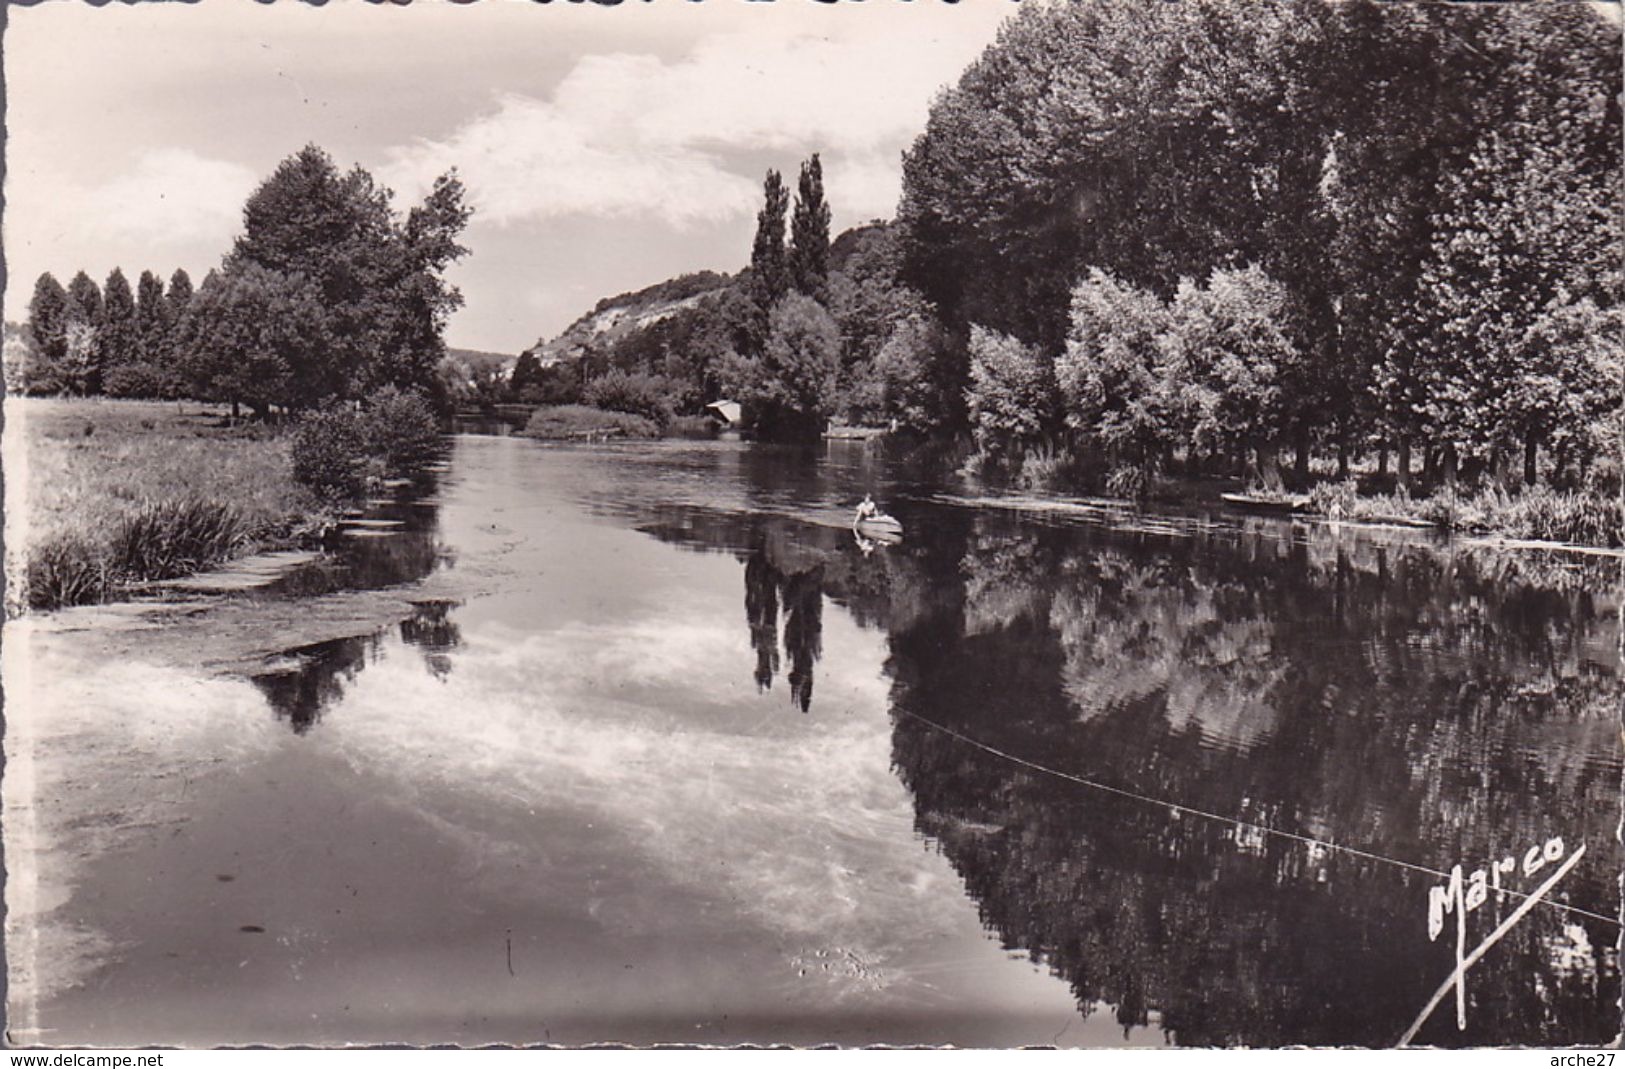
1530 514
1532 518
1539 514
583 423
119 714
103 494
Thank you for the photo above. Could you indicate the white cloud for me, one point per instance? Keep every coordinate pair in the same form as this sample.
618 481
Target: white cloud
169 207
529 159
865 187
635 136
746 89
172 195
605 146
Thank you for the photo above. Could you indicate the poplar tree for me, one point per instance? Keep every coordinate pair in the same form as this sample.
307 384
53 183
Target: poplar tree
809 234
83 365
179 297
172 356
150 316
47 323
1522 237
119 337
769 270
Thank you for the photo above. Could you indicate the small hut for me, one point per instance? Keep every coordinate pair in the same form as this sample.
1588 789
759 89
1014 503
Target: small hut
726 413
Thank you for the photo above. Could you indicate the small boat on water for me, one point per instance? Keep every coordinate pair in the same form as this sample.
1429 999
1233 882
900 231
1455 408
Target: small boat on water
1276 503
1408 522
879 526
870 525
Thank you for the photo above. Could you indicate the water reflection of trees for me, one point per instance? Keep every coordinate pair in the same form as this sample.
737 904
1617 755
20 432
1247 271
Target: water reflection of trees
367 559
803 631
304 682
780 574
1424 705
431 629
762 617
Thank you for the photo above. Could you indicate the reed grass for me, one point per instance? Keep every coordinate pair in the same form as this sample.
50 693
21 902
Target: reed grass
1535 512
102 494
166 539
66 570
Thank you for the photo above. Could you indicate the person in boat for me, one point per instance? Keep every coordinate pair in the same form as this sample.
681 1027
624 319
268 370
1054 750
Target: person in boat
867 509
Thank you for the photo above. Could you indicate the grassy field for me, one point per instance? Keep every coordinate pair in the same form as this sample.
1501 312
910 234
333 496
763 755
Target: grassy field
102 493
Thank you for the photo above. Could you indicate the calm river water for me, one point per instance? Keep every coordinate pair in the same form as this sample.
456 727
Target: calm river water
699 767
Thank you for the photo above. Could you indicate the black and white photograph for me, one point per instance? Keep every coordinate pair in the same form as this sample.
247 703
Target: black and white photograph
776 523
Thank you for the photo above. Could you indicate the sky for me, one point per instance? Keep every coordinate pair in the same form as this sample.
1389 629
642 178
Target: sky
604 148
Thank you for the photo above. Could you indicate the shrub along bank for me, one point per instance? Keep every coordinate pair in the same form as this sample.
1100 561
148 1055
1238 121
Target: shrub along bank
117 493
585 423
340 449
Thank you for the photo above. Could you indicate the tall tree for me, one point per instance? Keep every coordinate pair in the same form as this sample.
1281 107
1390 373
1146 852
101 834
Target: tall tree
1412 85
145 368
809 234
378 279
170 358
1167 141
423 300
150 316
769 270
258 337
1423 90
120 342
47 324
309 219
791 390
84 333
1522 235
179 297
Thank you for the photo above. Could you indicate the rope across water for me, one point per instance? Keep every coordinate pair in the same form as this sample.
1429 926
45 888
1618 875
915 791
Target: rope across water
1235 821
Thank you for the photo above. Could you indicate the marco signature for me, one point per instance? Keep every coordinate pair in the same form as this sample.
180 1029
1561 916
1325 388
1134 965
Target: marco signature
1462 895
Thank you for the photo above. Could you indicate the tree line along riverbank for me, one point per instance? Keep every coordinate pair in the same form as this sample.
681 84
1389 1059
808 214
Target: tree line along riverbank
113 494
1151 243
1362 258
324 321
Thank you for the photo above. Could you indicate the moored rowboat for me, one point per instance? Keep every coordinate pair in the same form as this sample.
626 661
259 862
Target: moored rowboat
1268 502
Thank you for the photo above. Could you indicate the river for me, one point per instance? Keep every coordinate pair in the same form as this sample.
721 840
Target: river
640 744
